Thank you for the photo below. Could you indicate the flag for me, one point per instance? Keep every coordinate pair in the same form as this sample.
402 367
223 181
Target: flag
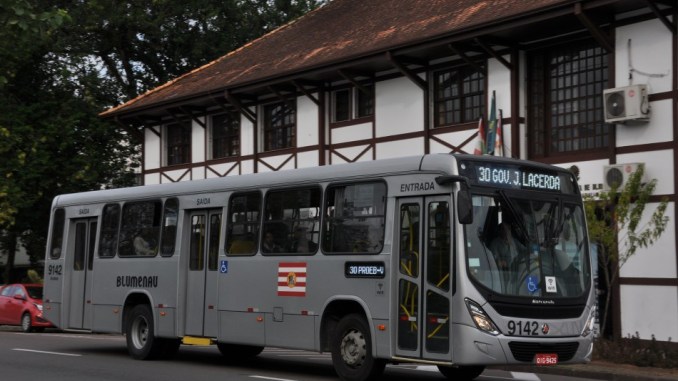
492 126
292 279
499 141
480 142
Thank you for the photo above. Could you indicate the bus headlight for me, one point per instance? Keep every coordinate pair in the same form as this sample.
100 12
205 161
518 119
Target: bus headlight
590 322
480 318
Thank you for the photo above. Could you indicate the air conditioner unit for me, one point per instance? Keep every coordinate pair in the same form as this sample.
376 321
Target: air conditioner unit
617 175
624 104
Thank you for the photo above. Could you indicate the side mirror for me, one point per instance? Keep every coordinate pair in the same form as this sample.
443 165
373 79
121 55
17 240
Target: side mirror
19 297
464 205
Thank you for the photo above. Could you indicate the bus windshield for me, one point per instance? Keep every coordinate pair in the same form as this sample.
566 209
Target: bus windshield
528 247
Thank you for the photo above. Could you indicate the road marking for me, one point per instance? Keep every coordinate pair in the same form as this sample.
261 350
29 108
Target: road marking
47 352
427 368
272 378
525 376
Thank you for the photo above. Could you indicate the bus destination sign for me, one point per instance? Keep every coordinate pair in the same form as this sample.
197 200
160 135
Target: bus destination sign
364 269
516 177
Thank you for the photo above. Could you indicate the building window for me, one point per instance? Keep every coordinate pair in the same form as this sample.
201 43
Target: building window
279 126
178 143
352 103
225 135
565 103
458 96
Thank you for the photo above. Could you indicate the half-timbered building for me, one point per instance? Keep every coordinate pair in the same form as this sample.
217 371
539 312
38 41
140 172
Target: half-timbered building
588 83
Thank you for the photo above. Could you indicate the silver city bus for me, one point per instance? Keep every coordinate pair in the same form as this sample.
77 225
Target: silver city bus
452 260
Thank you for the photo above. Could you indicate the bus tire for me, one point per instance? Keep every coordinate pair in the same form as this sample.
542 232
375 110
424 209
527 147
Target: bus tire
140 331
239 351
461 372
351 348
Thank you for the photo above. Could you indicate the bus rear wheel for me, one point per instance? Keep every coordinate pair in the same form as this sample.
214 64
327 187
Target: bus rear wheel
352 350
461 372
141 341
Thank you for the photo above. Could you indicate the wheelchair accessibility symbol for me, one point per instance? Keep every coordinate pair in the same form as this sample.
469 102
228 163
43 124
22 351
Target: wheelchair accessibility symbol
532 283
223 267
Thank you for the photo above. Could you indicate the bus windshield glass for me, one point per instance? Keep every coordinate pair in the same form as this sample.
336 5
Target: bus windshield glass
528 247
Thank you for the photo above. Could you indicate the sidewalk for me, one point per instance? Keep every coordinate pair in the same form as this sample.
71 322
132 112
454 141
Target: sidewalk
601 370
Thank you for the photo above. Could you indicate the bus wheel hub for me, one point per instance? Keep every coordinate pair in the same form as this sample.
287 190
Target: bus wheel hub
353 348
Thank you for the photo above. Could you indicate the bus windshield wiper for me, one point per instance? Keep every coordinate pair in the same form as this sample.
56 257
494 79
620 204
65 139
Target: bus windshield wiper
517 217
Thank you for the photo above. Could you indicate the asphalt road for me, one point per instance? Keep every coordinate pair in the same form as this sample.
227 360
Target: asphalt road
56 356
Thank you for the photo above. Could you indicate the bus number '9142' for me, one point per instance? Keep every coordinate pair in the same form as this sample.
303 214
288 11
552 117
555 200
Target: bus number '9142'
54 270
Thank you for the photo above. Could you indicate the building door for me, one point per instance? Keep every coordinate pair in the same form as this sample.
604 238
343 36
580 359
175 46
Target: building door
424 278
82 252
201 289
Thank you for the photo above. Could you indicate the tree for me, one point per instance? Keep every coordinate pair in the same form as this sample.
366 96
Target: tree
138 45
616 224
62 62
21 27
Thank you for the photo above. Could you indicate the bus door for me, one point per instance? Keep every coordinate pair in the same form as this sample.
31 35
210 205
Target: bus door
201 289
82 252
424 278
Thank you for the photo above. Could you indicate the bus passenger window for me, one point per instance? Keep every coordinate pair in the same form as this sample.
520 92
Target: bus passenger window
57 233
354 218
140 229
108 240
169 227
242 230
291 219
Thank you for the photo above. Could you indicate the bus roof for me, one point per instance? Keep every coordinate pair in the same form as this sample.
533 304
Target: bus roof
432 163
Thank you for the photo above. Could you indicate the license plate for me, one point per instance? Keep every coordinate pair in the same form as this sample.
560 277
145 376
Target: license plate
546 358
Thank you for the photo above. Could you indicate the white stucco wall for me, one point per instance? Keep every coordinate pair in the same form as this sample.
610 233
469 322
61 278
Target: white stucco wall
399 107
648 311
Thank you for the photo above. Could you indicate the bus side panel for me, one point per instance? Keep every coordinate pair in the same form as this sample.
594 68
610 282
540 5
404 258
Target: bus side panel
166 326
53 289
107 318
292 331
55 307
152 280
242 328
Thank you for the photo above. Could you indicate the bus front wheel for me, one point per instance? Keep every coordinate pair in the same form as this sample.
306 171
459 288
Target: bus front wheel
141 341
461 372
352 350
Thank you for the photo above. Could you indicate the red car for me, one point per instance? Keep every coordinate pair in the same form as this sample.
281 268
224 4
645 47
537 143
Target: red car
21 304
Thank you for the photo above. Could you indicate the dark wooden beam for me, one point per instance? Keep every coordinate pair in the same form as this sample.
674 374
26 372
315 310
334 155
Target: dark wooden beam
407 72
661 16
133 131
307 93
494 54
603 39
480 68
235 102
283 97
191 112
347 76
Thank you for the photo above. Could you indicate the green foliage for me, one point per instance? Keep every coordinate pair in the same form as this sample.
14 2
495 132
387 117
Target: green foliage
64 61
134 46
614 221
24 25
